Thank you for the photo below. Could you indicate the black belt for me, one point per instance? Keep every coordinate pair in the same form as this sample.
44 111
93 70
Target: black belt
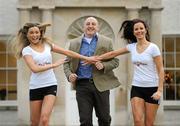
85 80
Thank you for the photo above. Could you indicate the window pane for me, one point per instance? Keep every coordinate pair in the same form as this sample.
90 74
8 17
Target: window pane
169 44
178 92
11 61
3 92
12 77
2 46
163 45
169 85
169 77
3 77
170 92
178 77
169 60
177 60
2 60
177 44
12 93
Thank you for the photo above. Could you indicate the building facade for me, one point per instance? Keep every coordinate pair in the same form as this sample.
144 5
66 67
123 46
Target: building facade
171 52
66 18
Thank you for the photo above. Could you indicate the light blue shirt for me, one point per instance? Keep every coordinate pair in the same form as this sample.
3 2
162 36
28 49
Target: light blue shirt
86 49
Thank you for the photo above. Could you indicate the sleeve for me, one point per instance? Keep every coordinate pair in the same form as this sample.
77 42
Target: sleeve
26 51
111 64
155 51
48 46
129 47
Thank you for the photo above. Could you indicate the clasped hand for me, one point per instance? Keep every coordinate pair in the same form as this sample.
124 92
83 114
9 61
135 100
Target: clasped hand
91 60
94 60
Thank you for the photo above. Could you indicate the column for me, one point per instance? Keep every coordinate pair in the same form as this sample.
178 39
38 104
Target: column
156 37
155 28
57 116
132 14
23 78
47 17
24 15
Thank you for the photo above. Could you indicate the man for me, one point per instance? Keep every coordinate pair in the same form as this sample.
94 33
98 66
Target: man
92 82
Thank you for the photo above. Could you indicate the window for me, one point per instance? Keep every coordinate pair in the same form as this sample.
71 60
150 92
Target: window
8 73
171 59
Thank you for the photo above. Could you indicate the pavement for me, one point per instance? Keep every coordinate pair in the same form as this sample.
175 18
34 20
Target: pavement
10 118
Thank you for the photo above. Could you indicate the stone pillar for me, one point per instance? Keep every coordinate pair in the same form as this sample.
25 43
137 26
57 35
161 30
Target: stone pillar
132 14
47 17
156 37
155 28
23 78
24 15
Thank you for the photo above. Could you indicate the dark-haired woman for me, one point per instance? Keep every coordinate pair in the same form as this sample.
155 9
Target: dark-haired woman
147 83
35 48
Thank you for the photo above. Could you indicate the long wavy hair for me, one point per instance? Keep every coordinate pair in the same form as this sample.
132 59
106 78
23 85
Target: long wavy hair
22 41
128 30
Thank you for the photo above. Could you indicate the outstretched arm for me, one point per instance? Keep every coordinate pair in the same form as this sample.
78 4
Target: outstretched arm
72 54
113 54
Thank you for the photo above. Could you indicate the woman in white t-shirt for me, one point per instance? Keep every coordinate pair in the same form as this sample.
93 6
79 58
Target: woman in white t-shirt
147 83
35 48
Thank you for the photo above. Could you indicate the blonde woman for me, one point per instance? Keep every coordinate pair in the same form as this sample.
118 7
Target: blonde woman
35 48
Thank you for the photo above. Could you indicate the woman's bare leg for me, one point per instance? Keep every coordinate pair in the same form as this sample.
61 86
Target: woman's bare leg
47 107
35 110
138 109
150 113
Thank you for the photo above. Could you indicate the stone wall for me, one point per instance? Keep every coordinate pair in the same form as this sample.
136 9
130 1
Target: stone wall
8 17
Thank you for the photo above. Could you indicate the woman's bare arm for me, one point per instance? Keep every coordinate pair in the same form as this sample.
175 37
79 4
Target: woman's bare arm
72 54
113 54
40 68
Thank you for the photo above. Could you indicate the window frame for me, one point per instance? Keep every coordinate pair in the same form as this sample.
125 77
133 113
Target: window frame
6 68
175 102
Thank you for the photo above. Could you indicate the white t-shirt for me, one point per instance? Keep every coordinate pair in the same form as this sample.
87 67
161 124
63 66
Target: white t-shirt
145 72
88 39
45 78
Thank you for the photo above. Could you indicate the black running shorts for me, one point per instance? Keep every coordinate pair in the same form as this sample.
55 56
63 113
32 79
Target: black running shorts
39 93
144 93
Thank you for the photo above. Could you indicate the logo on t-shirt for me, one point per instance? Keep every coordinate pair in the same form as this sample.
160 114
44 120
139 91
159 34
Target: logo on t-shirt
43 64
139 63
